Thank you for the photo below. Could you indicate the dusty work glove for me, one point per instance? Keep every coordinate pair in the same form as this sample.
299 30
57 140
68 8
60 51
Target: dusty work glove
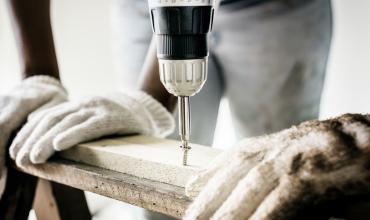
275 176
74 122
31 95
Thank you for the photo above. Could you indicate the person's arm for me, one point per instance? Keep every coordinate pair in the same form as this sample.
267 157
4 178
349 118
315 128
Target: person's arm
150 81
140 112
32 27
41 88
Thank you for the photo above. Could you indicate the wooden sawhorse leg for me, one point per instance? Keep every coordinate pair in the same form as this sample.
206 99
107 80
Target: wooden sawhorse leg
52 201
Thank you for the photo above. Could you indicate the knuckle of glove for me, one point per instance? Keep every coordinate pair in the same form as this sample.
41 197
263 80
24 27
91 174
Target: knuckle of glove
338 148
93 101
318 158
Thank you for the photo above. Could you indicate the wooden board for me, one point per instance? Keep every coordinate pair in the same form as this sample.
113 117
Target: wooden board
142 156
148 194
140 170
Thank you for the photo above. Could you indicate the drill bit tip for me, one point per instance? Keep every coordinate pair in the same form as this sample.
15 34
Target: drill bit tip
184 126
185 146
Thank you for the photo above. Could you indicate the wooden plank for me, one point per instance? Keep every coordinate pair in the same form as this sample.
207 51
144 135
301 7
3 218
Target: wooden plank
148 194
152 194
142 156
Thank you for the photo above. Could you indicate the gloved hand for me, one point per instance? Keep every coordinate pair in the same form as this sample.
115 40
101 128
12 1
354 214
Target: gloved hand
74 122
275 176
31 95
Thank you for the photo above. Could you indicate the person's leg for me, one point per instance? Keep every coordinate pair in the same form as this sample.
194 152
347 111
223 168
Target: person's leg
274 57
131 36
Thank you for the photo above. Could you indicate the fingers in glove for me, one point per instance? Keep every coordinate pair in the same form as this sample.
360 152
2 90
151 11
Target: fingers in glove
51 118
22 135
93 128
26 131
249 193
197 183
285 201
219 187
43 148
358 127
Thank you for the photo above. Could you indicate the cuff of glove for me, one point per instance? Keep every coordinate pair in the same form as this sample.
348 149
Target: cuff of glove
44 79
164 121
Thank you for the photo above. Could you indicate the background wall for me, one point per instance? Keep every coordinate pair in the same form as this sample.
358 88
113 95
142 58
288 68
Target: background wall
82 37
83 42
347 87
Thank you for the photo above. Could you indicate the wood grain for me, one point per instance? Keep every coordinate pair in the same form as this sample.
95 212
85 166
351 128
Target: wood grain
148 194
142 156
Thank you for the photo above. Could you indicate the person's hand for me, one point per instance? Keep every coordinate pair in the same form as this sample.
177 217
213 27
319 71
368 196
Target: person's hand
275 176
31 95
74 122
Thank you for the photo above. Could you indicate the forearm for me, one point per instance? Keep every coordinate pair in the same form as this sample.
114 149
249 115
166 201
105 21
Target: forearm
150 81
32 27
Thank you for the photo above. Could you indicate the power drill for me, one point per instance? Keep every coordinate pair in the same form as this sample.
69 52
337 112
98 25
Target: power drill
181 28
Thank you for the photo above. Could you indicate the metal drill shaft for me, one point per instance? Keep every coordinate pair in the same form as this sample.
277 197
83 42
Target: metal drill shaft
185 147
184 125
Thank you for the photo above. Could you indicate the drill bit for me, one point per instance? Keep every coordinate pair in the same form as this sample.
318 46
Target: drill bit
184 126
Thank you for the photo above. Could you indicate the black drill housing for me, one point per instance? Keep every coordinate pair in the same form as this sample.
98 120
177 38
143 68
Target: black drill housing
182 31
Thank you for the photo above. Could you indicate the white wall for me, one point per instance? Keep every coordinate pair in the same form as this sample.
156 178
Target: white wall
82 37
347 87
8 53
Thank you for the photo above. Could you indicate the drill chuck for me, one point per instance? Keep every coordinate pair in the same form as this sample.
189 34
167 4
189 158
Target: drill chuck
183 77
181 29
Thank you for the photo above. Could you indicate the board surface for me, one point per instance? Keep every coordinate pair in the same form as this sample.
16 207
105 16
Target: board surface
145 157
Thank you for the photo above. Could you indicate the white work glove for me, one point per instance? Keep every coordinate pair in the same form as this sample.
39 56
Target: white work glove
275 176
31 95
74 122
